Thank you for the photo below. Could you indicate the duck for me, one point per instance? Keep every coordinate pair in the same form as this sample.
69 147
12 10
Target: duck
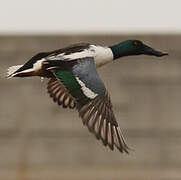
74 83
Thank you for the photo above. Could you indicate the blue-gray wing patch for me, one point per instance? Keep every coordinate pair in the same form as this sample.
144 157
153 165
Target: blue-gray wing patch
87 76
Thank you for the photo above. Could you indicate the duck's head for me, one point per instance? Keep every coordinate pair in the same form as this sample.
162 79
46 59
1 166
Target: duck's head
134 47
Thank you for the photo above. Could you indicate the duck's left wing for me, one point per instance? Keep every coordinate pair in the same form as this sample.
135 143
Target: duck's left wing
60 94
93 102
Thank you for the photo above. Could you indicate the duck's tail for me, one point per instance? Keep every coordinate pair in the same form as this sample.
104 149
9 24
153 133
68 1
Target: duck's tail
12 71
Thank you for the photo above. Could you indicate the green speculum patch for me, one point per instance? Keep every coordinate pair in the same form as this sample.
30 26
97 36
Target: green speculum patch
70 82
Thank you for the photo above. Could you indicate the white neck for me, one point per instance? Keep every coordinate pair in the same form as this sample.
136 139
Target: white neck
103 55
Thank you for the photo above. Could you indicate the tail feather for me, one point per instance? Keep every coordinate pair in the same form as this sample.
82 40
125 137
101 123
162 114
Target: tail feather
11 70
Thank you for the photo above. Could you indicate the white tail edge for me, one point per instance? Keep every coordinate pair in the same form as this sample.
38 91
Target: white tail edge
12 70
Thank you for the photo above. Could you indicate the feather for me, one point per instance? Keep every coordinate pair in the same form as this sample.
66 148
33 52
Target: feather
12 70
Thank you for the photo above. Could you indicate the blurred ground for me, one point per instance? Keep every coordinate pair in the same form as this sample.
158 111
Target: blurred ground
41 141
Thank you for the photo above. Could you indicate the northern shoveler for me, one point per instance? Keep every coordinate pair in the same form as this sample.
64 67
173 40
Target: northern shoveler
75 83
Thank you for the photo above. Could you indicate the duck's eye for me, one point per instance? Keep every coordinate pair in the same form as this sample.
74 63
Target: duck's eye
136 43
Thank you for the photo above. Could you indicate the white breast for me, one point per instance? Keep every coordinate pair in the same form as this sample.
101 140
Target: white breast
103 55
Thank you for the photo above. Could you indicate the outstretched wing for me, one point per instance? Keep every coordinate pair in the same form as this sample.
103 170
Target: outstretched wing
93 102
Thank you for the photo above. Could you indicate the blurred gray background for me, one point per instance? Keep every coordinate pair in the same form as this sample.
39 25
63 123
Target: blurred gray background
39 140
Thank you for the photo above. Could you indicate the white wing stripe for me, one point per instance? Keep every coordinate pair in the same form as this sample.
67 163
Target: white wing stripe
87 92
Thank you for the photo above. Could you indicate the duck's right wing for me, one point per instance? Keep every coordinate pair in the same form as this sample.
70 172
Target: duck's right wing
92 101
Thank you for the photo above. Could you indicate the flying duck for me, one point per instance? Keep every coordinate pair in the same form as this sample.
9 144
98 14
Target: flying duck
75 83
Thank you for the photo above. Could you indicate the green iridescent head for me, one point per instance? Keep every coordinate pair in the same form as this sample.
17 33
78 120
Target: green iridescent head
134 47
